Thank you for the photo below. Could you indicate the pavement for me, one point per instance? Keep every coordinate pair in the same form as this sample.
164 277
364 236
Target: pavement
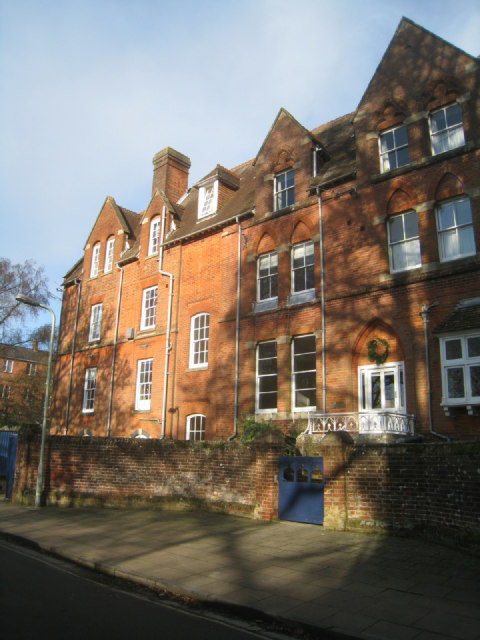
364 586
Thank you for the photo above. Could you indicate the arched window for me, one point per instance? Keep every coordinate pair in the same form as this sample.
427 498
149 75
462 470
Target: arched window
109 255
154 240
95 260
196 427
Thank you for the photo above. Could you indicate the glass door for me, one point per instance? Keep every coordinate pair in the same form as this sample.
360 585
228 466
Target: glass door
382 388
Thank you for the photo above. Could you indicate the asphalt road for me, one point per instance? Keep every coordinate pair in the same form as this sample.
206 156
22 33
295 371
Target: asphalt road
44 597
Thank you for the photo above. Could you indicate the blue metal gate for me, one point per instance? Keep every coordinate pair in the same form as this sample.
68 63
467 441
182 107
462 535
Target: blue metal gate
8 454
300 489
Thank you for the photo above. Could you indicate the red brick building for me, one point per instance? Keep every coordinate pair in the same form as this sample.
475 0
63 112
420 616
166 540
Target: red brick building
292 287
23 375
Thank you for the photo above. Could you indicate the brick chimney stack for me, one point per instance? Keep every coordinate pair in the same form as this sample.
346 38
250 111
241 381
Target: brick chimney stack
170 173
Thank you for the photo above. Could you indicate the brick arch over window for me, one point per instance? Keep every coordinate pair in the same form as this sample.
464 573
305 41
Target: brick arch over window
440 92
284 159
376 329
449 186
265 244
394 112
399 201
300 233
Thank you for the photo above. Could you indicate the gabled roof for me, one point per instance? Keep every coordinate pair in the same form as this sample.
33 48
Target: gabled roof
73 273
283 112
465 316
127 219
13 352
413 52
338 139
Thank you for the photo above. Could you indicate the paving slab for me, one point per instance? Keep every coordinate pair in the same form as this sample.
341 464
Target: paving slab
367 586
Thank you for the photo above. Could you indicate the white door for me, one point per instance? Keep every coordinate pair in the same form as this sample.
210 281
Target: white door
382 388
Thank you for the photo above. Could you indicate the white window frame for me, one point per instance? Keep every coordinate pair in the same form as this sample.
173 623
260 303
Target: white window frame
391 149
464 364
143 390
365 372
266 374
154 237
95 260
456 231
95 322
199 338
5 391
207 200
307 266
196 427
149 308
297 371
89 387
267 265
450 136
7 366
109 255
31 369
404 245
284 190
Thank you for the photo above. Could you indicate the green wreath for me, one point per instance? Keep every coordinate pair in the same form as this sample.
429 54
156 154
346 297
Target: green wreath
375 354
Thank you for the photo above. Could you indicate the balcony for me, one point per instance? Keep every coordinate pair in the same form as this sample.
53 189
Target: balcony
375 423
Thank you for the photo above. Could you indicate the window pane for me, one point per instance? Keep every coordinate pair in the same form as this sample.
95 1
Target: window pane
475 380
386 141
375 392
411 225
437 121
267 349
403 157
463 212
455 382
305 398
412 253
396 229
453 349
267 401
268 383
474 347
389 391
466 241
446 218
453 115
401 138
304 344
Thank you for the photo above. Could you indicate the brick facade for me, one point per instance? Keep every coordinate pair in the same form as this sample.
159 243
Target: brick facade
339 212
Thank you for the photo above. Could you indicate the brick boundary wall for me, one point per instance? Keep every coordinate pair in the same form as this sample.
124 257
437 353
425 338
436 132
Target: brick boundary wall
83 471
428 488
433 488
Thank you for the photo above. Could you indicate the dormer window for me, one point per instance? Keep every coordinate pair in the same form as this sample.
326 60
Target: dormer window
154 236
394 149
207 200
284 190
95 261
446 128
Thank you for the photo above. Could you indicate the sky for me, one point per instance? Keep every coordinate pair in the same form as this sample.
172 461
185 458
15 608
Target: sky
91 90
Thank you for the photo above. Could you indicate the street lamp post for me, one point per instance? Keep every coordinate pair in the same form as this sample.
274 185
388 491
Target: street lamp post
33 303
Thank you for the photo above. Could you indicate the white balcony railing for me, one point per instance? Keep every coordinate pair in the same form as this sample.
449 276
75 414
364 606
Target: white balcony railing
382 422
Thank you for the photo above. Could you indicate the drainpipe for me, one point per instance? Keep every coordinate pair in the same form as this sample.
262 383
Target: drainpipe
114 353
70 376
424 315
237 333
322 301
168 346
